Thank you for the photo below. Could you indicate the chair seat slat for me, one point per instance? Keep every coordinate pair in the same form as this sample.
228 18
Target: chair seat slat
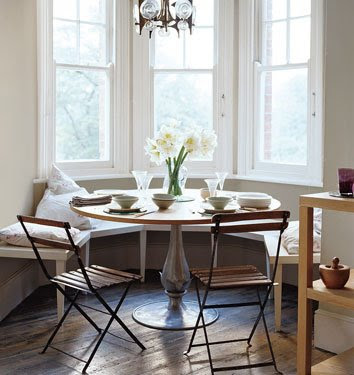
71 283
241 284
103 279
116 272
91 277
109 277
81 279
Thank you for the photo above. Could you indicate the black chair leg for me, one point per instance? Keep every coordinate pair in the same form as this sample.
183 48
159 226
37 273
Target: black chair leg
201 317
262 307
267 334
113 317
60 323
79 309
119 321
197 322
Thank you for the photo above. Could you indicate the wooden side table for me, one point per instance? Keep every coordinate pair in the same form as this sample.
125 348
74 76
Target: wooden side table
309 290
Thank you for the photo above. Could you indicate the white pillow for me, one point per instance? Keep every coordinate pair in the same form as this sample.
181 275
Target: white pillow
290 239
15 235
60 183
56 207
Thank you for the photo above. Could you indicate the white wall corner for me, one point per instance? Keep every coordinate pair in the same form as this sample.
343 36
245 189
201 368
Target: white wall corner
333 332
17 287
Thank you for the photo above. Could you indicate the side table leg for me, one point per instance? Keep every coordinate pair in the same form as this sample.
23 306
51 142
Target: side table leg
305 270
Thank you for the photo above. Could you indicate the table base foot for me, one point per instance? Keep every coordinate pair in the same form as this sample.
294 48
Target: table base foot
160 315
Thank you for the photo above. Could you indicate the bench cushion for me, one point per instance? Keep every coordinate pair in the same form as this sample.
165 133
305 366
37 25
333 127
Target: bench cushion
15 235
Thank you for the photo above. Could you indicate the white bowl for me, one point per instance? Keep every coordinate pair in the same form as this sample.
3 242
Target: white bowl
219 203
164 204
162 196
254 200
125 201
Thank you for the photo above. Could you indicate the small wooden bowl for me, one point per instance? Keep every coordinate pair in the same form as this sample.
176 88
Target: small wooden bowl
334 276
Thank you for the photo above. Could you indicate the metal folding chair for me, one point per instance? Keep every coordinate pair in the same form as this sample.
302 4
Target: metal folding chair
214 278
84 279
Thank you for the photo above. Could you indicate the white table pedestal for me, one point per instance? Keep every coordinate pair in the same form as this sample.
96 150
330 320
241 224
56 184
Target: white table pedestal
174 314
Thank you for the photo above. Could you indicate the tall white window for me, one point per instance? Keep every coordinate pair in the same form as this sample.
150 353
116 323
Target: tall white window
83 86
284 91
82 56
187 78
183 72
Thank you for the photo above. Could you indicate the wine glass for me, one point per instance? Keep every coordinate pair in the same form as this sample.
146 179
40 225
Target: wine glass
145 183
212 185
139 177
221 177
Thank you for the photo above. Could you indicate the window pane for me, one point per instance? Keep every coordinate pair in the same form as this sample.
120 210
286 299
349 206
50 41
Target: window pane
64 42
92 44
300 8
185 97
199 49
81 115
276 9
65 9
300 31
204 12
92 10
168 51
284 117
275 43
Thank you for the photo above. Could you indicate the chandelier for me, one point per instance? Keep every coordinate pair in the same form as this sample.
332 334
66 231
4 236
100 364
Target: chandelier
164 15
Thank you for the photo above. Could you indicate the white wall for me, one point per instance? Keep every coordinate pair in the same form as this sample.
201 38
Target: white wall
18 115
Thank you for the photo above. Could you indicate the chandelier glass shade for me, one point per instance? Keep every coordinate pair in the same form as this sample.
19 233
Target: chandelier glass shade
164 15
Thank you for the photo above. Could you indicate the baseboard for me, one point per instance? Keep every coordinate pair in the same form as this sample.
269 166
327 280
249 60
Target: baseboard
17 287
333 332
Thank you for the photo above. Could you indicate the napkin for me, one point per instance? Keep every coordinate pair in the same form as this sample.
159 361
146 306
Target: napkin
91 200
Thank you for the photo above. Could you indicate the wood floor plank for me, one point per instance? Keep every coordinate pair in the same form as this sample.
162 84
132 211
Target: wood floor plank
24 332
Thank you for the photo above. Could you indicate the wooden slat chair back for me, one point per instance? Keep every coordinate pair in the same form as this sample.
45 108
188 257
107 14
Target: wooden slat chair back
214 278
85 279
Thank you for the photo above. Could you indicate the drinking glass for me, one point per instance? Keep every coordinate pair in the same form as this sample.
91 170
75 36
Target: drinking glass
221 177
139 178
145 183
212 185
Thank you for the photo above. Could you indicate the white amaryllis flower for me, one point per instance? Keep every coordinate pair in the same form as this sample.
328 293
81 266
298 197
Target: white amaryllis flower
166 148
192 144
208 142
168 134
175 143
152 150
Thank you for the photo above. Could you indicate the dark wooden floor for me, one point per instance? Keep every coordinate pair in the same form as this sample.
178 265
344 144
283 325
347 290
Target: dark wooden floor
25 331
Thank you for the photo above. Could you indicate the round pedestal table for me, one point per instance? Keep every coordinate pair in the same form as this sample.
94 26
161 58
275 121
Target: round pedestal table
174 314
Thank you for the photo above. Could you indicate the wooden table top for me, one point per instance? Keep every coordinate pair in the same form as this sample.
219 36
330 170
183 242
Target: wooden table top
179 213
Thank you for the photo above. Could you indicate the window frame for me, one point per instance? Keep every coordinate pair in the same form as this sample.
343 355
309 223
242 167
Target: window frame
118 29
250 28
143 78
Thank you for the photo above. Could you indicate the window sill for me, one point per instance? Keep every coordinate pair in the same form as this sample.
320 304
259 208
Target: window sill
267 179
274 180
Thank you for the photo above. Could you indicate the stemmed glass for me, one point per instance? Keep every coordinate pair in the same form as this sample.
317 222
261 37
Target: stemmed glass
139 178
212 185
221 177
145 183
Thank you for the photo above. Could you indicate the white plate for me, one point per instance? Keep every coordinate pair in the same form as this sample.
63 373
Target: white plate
215 211
116 210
